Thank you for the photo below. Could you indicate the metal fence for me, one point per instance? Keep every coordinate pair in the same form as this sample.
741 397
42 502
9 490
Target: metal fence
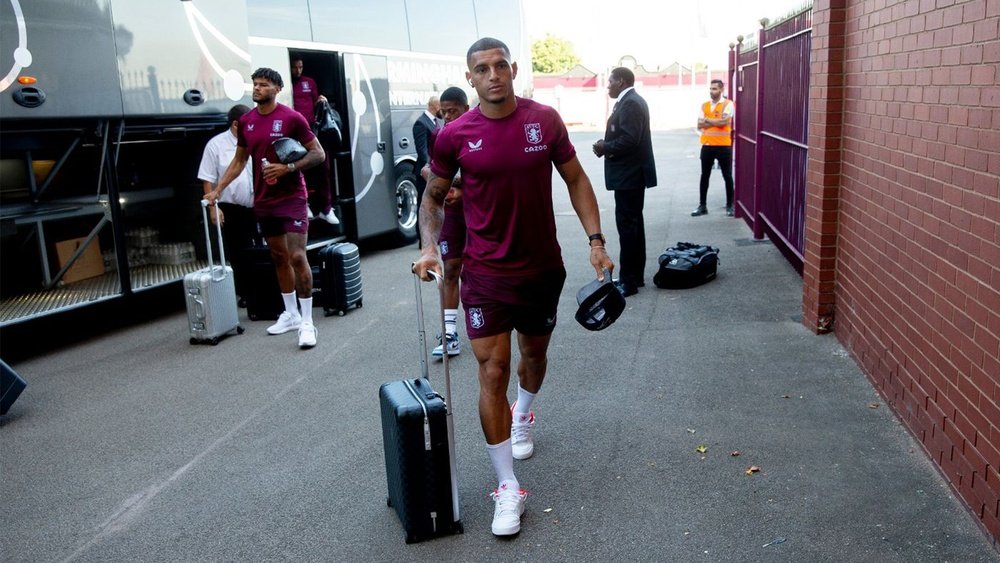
770 77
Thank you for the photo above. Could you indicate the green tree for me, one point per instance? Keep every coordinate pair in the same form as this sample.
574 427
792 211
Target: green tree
552 55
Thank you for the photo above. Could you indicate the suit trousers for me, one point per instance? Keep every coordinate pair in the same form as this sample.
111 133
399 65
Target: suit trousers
239 232
631 235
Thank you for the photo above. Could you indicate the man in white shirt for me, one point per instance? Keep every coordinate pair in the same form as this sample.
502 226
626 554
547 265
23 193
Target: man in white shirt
235 207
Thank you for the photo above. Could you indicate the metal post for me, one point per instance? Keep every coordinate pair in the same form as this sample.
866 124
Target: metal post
758 173
734 93
110 171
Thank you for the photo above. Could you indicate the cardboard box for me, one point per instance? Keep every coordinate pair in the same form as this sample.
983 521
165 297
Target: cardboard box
90 264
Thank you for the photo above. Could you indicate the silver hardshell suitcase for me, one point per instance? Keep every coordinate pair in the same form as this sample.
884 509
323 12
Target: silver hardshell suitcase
210 294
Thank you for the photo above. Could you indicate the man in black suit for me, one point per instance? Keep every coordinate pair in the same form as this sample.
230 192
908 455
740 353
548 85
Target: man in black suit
422 129
628 170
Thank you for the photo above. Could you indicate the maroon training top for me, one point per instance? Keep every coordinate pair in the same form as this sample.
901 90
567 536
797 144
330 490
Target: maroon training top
256 133
506 169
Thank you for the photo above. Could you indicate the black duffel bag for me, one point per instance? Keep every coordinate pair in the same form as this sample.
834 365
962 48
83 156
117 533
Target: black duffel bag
328 124
686 265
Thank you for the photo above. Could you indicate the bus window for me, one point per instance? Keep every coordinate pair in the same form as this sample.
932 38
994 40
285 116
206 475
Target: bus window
375 23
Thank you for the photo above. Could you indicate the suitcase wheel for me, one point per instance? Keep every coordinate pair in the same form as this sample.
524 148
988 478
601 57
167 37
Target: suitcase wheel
214 341
193 341
388 501
327 312
240 329
411 539
459 528
341 313
252 316
359 303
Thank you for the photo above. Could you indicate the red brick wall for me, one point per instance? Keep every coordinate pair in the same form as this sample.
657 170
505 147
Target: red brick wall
912 213
826 110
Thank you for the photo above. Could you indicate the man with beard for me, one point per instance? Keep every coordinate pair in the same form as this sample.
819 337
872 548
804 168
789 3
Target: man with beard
280 198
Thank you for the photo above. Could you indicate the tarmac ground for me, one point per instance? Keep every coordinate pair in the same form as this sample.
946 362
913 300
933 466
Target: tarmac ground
134 445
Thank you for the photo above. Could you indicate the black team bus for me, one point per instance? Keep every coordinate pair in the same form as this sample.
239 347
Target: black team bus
106 106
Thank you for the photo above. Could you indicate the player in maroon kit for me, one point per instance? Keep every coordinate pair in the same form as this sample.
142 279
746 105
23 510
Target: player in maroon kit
513 271
280 197
305 97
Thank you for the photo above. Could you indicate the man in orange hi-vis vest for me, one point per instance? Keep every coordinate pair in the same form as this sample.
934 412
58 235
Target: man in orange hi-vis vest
716 125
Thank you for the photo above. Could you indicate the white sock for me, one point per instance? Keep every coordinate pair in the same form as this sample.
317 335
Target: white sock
503 463
291 305
450 318
307 309
523 405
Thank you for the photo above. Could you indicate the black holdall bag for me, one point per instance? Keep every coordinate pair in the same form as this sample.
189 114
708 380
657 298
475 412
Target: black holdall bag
328 123
686 265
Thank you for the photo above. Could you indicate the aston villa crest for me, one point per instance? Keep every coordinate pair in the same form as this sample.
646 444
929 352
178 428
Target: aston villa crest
476 317
276 126
533 132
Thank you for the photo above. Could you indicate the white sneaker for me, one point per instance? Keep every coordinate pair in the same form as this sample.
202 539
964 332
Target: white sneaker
307 335
329 217
286 322
522 443
508 510
454 348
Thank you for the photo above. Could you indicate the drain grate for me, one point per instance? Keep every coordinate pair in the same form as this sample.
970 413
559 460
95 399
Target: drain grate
752 242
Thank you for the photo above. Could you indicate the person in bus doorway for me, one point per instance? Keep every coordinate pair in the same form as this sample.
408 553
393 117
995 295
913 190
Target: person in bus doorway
629 169
426 124
512 270
234 210
716 125
305 98
454 103
280 197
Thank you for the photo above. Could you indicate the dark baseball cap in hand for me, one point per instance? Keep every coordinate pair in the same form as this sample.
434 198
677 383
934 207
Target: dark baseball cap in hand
600 304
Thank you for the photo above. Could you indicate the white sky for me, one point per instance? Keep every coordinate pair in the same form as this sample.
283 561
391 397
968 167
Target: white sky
655 32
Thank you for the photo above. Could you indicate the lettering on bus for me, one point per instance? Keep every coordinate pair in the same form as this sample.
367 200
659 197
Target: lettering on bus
412 82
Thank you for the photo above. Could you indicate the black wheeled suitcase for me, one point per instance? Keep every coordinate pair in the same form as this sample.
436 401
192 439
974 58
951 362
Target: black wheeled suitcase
263 294
11 386
210 295
340 277
419 439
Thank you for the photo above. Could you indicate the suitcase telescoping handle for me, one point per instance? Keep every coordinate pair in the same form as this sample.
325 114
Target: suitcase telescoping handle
208 242
449 409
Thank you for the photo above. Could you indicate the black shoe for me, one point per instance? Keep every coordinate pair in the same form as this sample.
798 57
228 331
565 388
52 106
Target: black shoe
626 289
729 211
702 210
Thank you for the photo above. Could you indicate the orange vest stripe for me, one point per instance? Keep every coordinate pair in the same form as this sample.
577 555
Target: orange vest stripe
716 136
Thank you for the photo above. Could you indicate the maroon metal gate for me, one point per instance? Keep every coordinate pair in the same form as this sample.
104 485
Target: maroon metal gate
771 90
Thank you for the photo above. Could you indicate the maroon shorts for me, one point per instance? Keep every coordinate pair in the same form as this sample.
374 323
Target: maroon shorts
277 226
452 239
495 304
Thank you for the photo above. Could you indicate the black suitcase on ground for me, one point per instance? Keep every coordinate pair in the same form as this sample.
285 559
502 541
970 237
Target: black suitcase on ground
419 439
263 294
340 277
11 386
686 265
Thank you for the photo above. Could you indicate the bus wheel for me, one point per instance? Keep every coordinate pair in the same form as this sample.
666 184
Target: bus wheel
406 203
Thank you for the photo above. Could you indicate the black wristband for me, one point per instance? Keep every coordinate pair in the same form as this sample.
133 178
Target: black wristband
596 236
